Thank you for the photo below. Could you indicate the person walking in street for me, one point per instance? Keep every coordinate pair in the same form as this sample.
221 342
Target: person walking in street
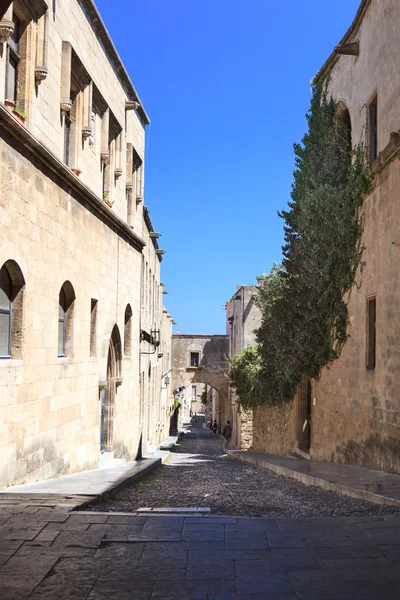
215 429
227 433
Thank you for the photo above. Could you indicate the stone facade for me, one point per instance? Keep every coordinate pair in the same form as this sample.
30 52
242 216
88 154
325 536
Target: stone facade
199 359
83 277
242 319
354 407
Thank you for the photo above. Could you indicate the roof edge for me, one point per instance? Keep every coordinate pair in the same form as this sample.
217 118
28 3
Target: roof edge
102 31
362 9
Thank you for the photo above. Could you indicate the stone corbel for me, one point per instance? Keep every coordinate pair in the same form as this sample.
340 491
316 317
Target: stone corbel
6 25
105 157
66 58
117 173
86 132
131 105
102 385
118 381
352 49
40 74
139 199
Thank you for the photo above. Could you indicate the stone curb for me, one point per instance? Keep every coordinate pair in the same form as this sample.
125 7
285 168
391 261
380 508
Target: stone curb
137 472
315 481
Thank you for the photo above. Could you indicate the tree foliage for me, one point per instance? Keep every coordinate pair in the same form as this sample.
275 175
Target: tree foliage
303 300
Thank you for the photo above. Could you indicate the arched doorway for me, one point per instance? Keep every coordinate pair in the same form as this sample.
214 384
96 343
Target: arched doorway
108 395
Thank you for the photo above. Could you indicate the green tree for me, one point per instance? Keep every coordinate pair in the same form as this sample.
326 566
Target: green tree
303 301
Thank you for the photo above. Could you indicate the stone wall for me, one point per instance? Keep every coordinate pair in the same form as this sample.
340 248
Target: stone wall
355 414
274 429
212 350
56 228
356 417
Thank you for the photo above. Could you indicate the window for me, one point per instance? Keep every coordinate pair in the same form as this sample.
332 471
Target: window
194 359
65 319
13 59
5 313
93 327
92 136
371 334
373 128
128 331
11 310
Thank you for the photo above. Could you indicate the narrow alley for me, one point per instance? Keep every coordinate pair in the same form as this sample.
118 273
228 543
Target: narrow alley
200 473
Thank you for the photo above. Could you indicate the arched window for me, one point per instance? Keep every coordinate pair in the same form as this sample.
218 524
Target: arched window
11 295
65 319
344 116
128 331
5 313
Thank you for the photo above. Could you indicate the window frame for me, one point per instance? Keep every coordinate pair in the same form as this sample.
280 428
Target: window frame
62 320
371 334
373 127
192 365
9 313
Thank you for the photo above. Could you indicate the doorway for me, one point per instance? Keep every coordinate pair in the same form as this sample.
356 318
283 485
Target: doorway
107 396
304 415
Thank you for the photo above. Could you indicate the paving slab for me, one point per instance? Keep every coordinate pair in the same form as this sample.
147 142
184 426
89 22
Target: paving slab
357 482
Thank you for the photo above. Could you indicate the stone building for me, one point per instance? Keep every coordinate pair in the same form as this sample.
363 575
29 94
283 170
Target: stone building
352 413
242 319
199 360
80 299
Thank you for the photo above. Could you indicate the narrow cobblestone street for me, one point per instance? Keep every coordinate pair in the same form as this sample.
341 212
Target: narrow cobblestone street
201 474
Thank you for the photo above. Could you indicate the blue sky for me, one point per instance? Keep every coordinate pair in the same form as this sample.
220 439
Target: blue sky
226 84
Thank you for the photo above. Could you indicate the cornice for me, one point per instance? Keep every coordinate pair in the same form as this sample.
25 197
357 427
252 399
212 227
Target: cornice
101 30
24 137
149 225
362 9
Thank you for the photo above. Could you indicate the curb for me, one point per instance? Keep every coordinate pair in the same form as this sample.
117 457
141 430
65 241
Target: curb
138 472
316 481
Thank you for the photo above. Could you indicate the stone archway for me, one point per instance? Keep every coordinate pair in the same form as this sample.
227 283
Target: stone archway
109 394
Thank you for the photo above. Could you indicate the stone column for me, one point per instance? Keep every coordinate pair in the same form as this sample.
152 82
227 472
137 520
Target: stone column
66 59
118 155
105 134
87 111
41 70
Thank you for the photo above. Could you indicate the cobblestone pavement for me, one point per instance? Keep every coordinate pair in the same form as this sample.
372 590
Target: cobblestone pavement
48 552
200 474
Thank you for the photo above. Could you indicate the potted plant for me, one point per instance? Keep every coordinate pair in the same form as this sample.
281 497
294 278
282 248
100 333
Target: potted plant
106 199
9 104
20 114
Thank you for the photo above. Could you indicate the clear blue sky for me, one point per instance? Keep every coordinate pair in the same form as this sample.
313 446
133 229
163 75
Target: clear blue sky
226 84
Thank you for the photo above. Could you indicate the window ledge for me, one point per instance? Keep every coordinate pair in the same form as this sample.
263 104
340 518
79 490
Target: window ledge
65 359
193 369
7 363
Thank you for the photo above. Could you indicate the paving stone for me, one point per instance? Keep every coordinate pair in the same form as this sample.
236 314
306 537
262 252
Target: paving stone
88 518
18 533
122 590
204 570
52 591
247 544
10 592
355 563
191 590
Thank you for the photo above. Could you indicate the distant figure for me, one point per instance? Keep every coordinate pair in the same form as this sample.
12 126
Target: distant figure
195 417
227 433
215 428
